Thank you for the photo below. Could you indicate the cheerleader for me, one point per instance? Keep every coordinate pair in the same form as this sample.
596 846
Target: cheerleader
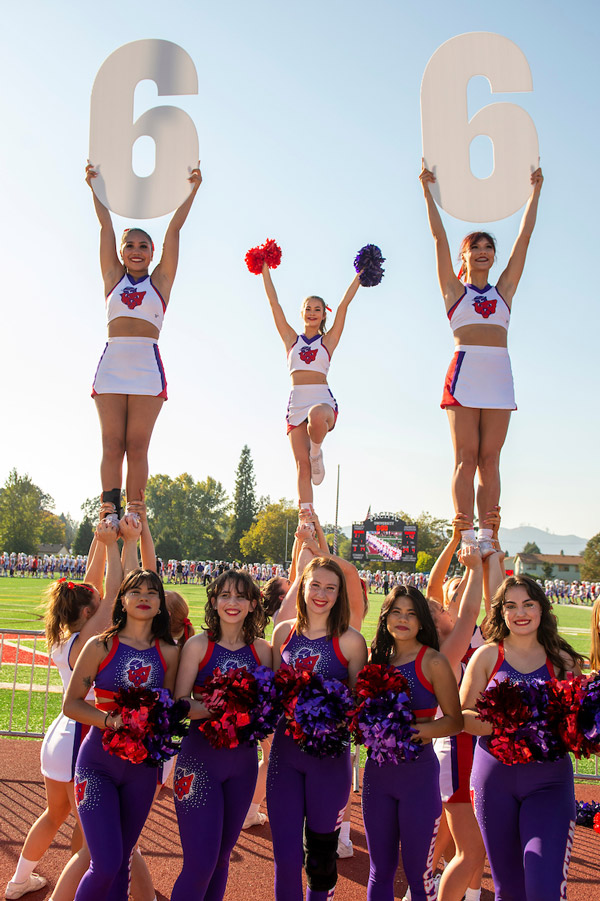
478 393
213 787
406 637
526 812
114 795
312 409
73 614
130 385
307 795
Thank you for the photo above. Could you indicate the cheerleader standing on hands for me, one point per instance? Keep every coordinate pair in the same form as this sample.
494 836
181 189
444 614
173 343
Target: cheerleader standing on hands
526 811
114 796
406 637
306 794
478 392
130 385
312 409
213 787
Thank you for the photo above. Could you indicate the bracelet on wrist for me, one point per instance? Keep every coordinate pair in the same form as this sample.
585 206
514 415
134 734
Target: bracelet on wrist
106 720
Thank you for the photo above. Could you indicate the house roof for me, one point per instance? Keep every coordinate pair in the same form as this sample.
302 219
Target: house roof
554 559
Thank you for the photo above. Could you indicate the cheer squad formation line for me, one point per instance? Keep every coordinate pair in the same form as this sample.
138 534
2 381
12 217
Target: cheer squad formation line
434 697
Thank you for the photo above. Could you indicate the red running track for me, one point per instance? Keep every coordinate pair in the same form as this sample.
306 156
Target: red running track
22 800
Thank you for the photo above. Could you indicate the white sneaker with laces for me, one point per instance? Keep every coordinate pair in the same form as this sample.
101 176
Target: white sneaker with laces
345 849
18 889
486 547
317 468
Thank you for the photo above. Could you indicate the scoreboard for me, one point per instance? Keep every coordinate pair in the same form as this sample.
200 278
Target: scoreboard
384 537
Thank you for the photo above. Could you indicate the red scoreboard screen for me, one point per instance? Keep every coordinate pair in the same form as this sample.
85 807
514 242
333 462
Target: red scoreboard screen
384 538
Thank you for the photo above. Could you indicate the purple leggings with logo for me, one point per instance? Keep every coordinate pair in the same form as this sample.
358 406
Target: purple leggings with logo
402 807
213 790
526 814
302 788
114 798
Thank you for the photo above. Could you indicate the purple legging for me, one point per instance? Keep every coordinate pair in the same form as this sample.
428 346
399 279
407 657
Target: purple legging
114 798
402 807
526 814
213 790
299 788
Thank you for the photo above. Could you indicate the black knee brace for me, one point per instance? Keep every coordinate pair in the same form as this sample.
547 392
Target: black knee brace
320 859
113 497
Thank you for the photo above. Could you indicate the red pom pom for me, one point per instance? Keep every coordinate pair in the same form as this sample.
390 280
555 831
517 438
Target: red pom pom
597 823
272 253
255 259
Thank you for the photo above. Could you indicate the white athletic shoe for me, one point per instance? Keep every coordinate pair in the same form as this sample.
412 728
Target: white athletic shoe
466 542
436 880
486 547
345 849
317 469
255 819
407 896
18 889
113 518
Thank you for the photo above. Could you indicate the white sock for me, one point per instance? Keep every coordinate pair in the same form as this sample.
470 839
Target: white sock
315 449
345 832
473 894
485 533
468 535
24 869
252 810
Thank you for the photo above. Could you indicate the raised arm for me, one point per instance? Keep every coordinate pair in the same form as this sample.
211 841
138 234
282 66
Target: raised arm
332 338
130 529
450 285
106 538
110 265
286 332
164 274
437 576
508 281
455 646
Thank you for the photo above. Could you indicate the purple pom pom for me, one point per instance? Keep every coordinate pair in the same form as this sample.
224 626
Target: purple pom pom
368 263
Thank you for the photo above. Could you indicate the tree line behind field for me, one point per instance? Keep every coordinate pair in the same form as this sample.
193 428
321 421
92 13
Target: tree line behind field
196 520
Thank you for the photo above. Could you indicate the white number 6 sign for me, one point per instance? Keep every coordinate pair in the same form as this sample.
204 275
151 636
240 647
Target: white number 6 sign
113 131
448 133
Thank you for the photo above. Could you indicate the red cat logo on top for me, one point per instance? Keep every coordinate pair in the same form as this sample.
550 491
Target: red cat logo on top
308 663
132 298
182 785
80 791
308 354
137 673
484 307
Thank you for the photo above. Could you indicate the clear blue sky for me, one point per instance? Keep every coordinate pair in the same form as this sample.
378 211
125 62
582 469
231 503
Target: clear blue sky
309 126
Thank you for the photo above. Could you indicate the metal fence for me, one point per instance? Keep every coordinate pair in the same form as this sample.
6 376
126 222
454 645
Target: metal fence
27 690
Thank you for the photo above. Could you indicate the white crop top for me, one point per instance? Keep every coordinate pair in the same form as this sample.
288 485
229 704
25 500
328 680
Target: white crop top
477 306
60 658
309 355
136 299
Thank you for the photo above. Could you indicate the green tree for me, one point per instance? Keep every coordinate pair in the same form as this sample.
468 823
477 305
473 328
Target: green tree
590 568
547 569
52 529
70 528
424 562
531 548
244 503
344 548
83 537
22 509
194 515
265 540
432 535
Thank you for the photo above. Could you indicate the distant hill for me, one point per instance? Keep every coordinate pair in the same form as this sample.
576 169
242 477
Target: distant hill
514 540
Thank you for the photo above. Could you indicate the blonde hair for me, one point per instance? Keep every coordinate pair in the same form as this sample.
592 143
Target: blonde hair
320 300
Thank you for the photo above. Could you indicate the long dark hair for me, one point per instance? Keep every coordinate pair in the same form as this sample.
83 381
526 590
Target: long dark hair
383 645
161 629
246 587
339 615
547 634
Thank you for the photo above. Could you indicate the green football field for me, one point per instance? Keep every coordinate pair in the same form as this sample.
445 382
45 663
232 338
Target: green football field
21 607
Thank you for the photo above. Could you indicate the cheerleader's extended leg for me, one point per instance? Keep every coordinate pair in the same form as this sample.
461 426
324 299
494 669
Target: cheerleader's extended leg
526 814
304 790
213 789
402 806
113 798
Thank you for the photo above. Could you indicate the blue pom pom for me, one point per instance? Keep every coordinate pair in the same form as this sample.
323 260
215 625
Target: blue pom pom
368 264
